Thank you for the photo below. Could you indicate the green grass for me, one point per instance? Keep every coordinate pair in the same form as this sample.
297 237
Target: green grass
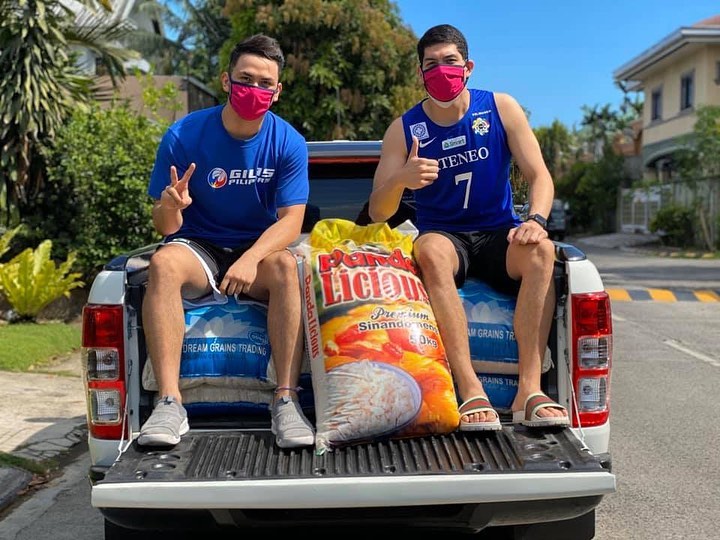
8 460
27 345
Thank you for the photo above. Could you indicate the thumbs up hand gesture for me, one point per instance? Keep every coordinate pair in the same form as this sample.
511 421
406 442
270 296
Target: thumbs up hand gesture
419 172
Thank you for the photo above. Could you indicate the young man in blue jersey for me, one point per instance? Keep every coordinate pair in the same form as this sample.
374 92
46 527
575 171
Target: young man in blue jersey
453 150
230 185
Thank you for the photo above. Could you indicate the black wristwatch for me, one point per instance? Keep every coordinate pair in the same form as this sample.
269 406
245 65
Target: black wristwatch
537 218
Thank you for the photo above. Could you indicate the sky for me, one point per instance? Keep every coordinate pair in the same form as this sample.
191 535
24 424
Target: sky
554 56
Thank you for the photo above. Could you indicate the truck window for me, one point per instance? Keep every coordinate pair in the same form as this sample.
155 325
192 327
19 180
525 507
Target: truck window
340 189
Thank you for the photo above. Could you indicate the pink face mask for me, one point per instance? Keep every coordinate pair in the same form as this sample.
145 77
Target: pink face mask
444 82
248 101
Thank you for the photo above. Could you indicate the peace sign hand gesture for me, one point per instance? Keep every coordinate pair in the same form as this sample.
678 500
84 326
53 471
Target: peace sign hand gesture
177 196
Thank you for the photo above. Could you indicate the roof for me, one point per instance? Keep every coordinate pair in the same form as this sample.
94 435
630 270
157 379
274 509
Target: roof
710 21
706 31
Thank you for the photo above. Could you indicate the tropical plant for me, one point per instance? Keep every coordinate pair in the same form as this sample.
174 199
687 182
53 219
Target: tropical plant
202 34
7 238
351 64
41 84
599 125
199 30
31 281
96 201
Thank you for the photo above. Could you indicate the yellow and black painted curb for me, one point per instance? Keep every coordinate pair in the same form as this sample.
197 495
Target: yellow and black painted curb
663 295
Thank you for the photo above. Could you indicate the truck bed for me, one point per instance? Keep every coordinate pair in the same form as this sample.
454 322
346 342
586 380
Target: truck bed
469 480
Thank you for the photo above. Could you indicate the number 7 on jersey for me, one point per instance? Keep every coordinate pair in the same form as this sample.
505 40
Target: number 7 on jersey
461 178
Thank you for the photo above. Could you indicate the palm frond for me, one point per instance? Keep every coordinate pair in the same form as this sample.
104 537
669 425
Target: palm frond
104 38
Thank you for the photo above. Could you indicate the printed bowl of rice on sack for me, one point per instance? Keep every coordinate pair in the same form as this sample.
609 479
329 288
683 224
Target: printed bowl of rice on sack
379 368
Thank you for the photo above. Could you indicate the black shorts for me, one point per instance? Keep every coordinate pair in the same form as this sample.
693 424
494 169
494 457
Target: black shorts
483 255
216 259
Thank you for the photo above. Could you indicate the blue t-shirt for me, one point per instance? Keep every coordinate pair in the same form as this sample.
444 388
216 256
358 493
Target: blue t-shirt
472 191
238 185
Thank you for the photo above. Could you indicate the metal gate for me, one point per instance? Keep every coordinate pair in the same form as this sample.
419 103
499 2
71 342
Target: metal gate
638 206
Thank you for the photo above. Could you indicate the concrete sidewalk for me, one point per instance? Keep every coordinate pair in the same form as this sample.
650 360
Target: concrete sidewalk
617 240
43 416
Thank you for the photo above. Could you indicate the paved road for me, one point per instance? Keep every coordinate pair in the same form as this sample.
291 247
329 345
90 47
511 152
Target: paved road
636 267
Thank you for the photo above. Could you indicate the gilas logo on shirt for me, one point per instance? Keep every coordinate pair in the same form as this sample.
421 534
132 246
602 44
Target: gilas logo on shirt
419 130
481 126
217 178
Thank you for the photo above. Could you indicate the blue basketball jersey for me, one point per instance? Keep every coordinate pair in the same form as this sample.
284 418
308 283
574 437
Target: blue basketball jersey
238 185
472 191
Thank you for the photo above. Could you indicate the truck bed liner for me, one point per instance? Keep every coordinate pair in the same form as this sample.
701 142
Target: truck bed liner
252 455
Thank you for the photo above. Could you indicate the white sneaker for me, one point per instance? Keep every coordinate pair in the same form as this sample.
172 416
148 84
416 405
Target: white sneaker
167 423
289 425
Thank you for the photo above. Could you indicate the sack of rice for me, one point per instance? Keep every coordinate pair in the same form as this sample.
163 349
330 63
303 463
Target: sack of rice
378 366
226 361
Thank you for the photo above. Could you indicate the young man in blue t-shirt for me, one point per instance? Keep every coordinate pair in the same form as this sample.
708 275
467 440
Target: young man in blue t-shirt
453 150
230 185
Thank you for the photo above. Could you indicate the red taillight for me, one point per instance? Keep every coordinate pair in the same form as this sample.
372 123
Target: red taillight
592 358
102 326
104 369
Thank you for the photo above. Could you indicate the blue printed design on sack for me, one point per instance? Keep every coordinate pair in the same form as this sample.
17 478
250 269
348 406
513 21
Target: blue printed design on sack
490 322
226 340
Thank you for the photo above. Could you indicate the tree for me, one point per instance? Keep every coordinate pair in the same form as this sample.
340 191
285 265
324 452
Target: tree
351 64
96 203
591 190
556 143
699 159
193 34
600 125
201 34
41 85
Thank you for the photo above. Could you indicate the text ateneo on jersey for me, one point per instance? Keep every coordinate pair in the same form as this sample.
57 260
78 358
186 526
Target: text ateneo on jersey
468 156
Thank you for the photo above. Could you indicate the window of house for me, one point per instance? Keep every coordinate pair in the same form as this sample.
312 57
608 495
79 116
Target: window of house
717 72
656 104
687 91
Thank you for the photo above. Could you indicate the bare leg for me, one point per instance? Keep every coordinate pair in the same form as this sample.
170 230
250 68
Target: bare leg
277 283
438 264
173 271
533 263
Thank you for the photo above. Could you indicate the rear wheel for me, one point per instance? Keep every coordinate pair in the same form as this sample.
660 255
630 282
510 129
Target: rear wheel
116 532
579 528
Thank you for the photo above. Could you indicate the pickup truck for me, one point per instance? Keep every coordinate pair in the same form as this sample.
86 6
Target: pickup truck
227 472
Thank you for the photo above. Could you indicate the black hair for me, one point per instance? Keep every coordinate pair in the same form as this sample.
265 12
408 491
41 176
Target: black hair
259 45
442 33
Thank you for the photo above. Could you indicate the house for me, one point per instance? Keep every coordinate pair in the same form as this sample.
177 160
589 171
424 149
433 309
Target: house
192 94
676 75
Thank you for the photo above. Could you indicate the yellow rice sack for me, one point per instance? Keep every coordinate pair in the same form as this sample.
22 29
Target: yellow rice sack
379 368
